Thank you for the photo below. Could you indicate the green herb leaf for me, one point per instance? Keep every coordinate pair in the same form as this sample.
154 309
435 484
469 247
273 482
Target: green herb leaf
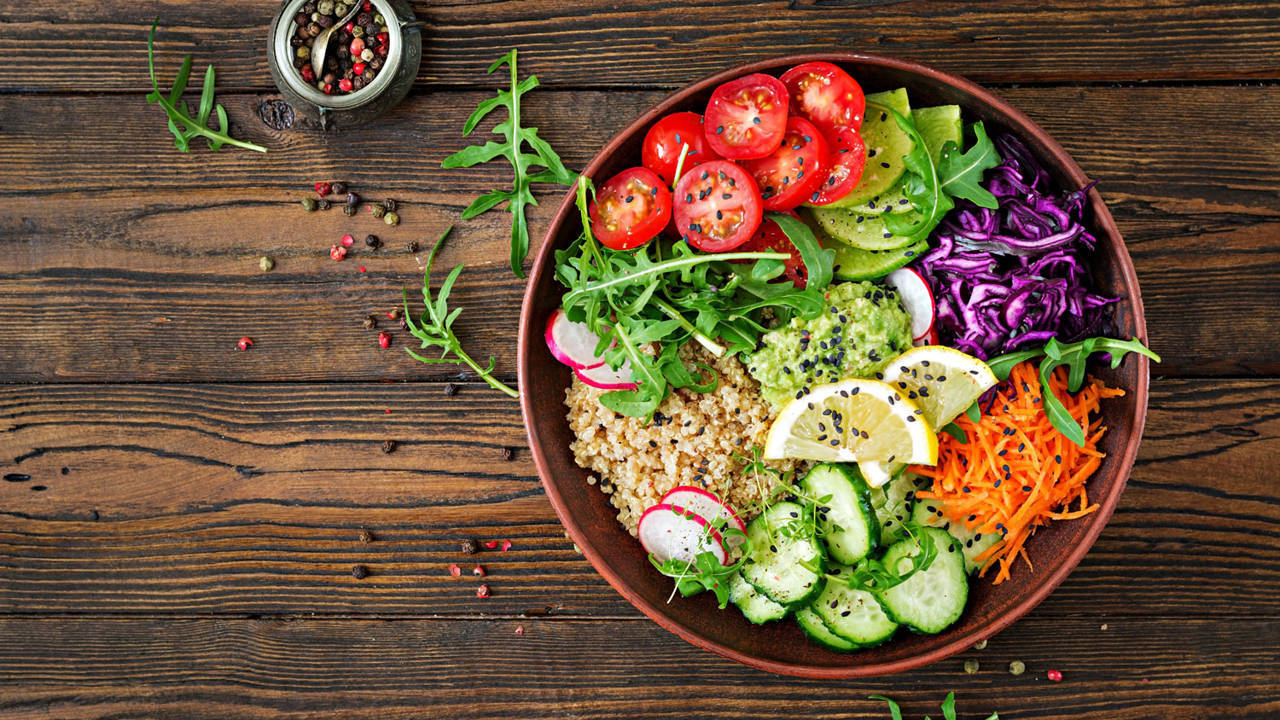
181 124
818 261
434 327
949 707
961 173
956 432
922 185
895 712
1076 357
517 138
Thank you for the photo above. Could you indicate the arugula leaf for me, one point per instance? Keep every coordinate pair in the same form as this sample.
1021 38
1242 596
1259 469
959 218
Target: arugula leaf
956 432
921 185
513 148
961 172
1076 357
894 711
184 127
434 326
949 707
818 261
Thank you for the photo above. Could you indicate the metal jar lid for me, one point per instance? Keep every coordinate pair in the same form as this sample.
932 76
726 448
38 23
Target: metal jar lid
404 55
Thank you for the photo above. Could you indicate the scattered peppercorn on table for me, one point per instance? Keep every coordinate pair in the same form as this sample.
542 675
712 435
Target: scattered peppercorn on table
229 493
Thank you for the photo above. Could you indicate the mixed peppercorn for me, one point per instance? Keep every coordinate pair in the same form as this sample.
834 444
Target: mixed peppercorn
361 45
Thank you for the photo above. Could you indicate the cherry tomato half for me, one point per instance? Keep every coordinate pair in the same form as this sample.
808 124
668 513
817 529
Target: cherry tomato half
630 209
770 238
825 95
793 172
717 207
661 150
848 158
747 117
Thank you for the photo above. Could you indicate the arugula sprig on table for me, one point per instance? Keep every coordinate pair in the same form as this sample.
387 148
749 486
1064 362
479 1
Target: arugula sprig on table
1075 356
931 186
948 708
664 294
434 326
184 127
516 147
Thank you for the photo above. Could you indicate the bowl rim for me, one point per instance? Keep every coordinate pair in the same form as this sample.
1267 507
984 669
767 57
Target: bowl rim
530 338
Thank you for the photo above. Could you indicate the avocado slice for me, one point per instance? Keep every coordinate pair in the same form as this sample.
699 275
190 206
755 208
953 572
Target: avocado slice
886 143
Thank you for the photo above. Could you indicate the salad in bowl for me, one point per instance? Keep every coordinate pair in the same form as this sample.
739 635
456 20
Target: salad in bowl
838 364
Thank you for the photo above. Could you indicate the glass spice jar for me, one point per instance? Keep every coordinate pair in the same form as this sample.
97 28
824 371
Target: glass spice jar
354 88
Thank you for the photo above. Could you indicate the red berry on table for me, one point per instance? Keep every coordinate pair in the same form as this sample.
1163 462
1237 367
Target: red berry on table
245 343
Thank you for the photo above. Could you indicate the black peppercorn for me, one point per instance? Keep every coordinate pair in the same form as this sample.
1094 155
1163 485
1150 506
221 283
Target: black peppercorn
296 41
313 29
372 241
353 199
349 210
360 572
366 537
450 389
301 19
508 454
339 188
326 21
363 19
404 324
388 446
389 205
470 547
370 322
412 246
323 204
374 64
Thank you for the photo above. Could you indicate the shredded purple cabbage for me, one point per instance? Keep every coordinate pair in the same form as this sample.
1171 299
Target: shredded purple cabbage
1014 276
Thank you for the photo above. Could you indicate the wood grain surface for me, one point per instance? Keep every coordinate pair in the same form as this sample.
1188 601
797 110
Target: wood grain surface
182 524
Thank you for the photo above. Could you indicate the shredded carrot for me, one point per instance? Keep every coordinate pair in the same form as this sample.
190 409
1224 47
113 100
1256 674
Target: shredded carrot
1018 472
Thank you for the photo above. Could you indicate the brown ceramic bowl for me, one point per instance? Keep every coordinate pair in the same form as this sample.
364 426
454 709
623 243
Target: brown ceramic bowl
780 647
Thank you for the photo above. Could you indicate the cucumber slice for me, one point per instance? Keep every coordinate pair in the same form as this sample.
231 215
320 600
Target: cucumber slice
850 529
937 125
930 600
754 606
886 143
776 566
892 503
853 614
865 232
854 264
812 625
973 543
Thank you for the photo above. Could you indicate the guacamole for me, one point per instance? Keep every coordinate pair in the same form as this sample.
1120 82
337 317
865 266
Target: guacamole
861 330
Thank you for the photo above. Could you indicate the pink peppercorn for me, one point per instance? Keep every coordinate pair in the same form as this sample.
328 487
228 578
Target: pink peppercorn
357 47
347 241
345 85
337 253
384 340
358 68
506 545
491 544
478 571
1055 676
245 343
482 591
455 571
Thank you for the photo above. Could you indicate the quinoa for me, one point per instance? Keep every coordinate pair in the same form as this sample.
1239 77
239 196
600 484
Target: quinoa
694 439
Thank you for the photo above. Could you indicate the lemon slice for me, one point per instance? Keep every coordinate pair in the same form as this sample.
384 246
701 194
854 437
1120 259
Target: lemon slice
853 420
942 381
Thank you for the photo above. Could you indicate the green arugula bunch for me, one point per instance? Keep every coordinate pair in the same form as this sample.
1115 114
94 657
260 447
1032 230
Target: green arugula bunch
931 186
184 127
434 327
522 148
666 294
948 708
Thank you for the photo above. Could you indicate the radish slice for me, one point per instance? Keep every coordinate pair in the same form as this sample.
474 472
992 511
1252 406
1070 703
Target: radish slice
670 532
604 377
917 298
572 343
708 506
931 339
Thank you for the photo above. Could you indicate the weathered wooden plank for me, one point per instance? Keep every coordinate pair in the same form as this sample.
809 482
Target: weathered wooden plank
160 265
251 499
296 667
664 42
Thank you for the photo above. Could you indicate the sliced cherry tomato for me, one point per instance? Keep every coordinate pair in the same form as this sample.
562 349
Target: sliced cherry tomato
630 209
793 172
717 207
826 96
770 238
661 150
848 158
747 117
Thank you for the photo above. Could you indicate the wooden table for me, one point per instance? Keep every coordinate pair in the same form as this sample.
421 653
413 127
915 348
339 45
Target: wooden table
181 519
